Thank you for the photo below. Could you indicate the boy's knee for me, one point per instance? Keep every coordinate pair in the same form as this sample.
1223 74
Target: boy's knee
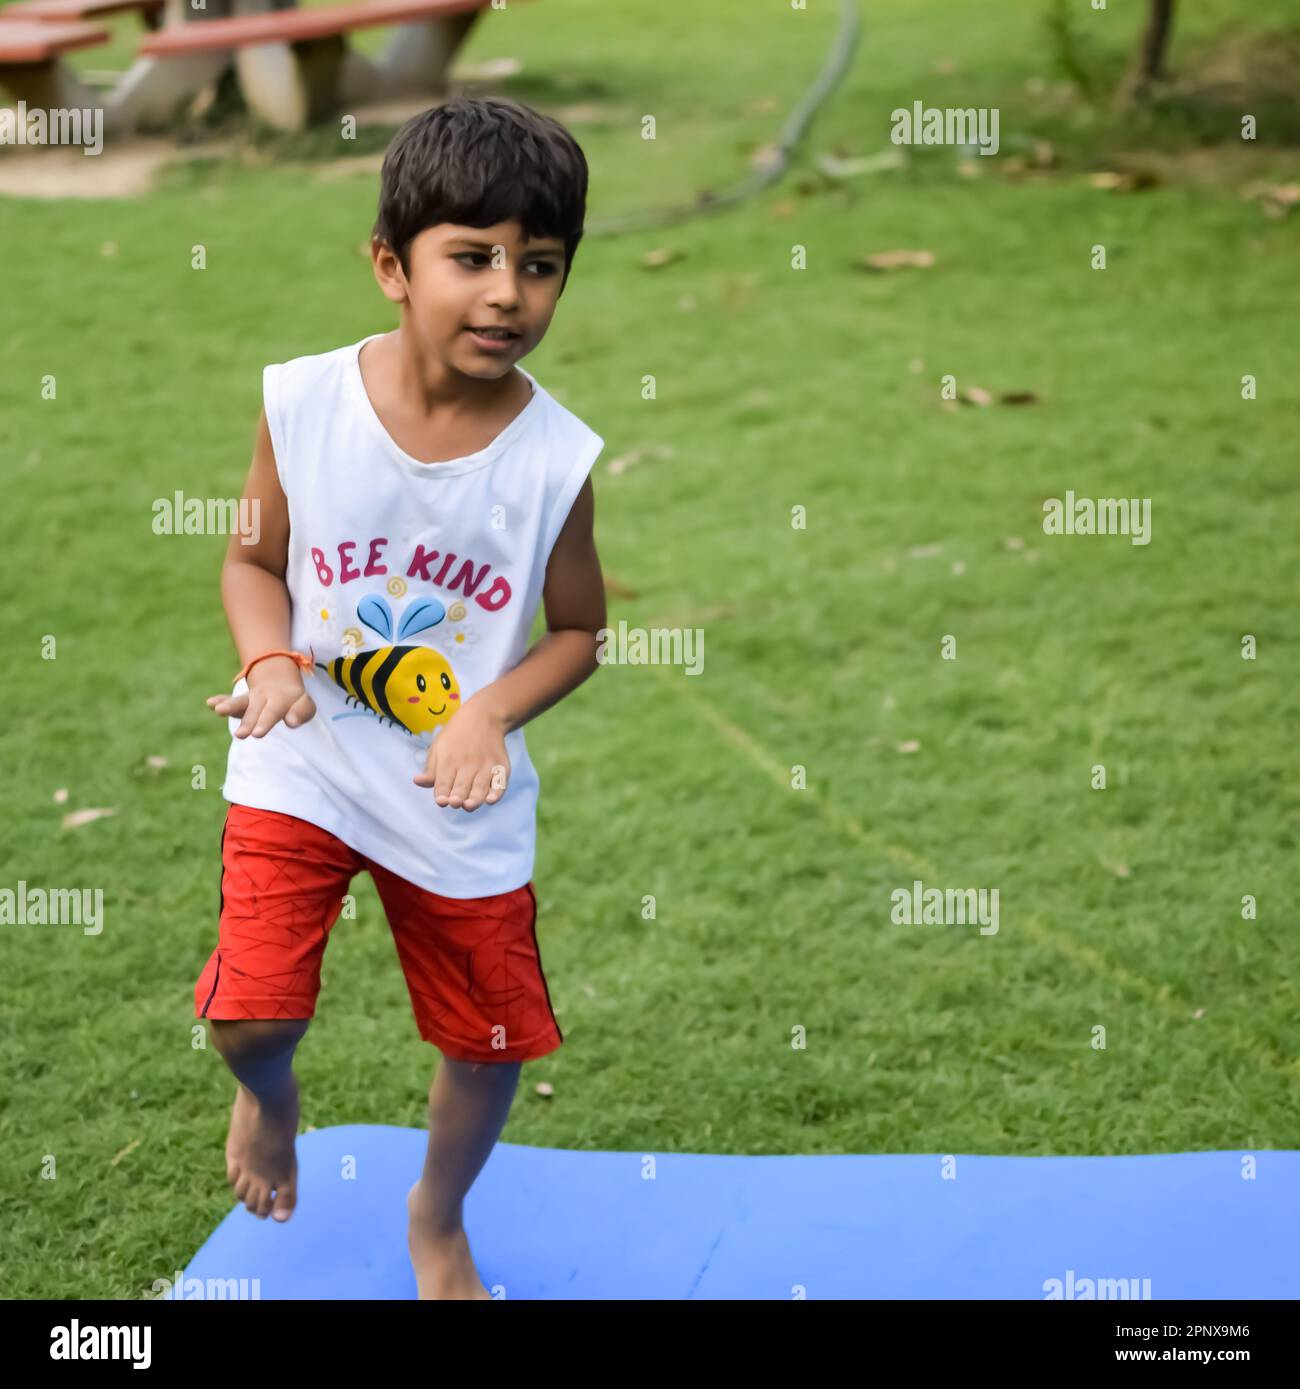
257 1039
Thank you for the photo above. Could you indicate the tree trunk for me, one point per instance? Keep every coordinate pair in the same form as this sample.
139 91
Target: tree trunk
1149 61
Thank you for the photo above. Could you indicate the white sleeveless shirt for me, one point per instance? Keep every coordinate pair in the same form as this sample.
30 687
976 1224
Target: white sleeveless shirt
413 585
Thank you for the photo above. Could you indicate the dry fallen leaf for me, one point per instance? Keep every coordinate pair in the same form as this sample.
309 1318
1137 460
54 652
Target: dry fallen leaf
1275 199
625 460
1127 182
834 167
492 69
665 255
619 589
130 1148
765 157
77 818
897 260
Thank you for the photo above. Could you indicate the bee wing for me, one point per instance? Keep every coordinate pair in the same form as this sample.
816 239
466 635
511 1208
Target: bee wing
377 615
420 616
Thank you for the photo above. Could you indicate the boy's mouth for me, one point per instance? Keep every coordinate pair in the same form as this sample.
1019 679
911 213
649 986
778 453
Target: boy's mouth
493 334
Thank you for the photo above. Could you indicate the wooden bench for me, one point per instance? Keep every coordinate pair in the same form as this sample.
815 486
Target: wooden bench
31 64
54 11
147 94
295 66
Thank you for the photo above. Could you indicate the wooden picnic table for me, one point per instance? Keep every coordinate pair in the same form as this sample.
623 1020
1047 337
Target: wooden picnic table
291 70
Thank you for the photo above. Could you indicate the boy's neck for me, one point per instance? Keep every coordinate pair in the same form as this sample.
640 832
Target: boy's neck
430 384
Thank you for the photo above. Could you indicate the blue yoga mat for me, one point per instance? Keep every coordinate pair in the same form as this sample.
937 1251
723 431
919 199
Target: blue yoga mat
551 1223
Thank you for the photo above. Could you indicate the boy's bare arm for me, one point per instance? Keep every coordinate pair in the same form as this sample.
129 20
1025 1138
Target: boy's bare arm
574 600
470 747
257 606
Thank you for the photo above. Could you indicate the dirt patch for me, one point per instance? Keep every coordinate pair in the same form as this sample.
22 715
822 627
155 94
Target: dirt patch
122 170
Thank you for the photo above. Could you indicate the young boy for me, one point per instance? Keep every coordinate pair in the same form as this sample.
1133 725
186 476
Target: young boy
419 493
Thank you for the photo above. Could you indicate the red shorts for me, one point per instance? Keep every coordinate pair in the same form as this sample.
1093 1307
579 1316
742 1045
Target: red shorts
472 965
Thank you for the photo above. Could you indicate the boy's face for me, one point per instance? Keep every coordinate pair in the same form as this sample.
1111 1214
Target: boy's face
463 278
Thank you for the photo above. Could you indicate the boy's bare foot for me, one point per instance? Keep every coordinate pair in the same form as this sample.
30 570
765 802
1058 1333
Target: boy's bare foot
444 1267
260 1159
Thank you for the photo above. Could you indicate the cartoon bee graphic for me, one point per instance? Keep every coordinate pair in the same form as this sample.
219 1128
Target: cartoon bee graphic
412 687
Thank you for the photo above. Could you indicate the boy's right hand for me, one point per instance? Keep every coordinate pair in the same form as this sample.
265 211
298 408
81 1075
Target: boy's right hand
275 692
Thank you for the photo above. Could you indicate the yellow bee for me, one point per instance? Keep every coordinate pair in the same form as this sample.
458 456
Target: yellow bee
413 687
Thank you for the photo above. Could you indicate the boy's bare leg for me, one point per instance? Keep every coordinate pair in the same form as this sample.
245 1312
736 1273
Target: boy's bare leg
468 1106
260 1160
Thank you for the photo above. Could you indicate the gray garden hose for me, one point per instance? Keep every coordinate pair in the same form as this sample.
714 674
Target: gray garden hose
837 62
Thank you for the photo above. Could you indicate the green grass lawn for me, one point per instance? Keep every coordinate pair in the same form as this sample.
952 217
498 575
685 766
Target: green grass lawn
776 388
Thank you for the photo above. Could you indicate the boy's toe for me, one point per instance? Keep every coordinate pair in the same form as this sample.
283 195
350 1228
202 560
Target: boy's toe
286 1198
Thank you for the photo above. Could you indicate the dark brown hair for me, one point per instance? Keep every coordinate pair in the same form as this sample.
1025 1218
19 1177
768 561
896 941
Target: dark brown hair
479 161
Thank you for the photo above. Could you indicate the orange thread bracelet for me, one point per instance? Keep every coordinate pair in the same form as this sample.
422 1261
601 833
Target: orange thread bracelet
297 656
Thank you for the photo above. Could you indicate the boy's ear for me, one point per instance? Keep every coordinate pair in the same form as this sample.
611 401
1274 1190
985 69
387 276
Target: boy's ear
389 274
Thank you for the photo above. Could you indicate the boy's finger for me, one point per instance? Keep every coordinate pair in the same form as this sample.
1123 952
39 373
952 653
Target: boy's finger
251 710
300 711
272 712
477 792
443 782
462 785
430 773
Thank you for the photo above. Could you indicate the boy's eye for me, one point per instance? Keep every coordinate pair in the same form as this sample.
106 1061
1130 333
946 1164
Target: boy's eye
545 267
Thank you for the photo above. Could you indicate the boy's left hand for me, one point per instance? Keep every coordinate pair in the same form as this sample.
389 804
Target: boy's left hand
467 765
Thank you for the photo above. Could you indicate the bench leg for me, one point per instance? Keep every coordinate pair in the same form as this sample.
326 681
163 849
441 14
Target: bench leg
49 86
419 55
290 85
154 88
360 79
